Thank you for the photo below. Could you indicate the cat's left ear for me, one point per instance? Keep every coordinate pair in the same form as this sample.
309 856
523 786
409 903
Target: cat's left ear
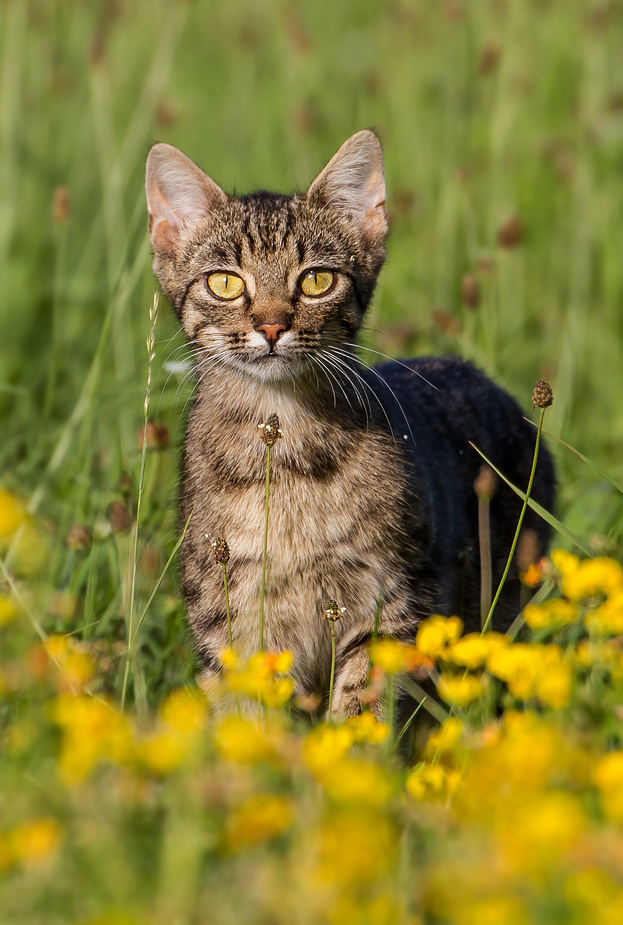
353 182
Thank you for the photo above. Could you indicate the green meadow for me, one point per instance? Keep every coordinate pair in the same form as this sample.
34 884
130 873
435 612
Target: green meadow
502 128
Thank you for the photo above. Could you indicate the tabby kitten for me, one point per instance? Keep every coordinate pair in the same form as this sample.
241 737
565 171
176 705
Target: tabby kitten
372 481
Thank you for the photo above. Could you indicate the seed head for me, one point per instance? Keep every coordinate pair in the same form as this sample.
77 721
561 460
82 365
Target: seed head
542 395
270 431
486 483
220 547
333 612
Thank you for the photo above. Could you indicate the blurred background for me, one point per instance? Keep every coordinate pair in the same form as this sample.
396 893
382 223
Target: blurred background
502 125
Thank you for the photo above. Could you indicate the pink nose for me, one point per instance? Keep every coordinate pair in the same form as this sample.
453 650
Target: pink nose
272 331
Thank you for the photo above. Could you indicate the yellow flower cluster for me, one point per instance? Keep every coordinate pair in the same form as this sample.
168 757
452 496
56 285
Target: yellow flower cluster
31 843
20 535
260 677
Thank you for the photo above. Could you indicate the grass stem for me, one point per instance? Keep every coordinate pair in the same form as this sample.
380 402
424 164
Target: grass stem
265 550
524 508
332 679
228 611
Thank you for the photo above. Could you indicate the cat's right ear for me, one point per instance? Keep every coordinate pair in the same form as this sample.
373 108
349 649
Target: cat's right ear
353 184
178 194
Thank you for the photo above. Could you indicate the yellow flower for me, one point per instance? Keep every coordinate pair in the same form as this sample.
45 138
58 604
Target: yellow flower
536 833
70 667
435 633
432 782
36 841
607 618
554 680
355 781
366 728
518 665
326 745
93 731
598 576
388 655
356 846
258 819
552 614
244 741
8 610
258 677
184 710
445 737
12 515
608 778
459 689
566 562
473 650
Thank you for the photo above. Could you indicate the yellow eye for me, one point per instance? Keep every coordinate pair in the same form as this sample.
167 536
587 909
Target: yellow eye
317 282
225 285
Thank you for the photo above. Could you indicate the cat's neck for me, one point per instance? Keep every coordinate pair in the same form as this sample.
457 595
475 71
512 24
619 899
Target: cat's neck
230 395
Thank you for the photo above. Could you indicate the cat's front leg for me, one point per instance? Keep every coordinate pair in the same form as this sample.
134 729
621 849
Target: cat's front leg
352 673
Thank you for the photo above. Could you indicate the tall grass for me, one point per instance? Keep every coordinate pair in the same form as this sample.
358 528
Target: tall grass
487 112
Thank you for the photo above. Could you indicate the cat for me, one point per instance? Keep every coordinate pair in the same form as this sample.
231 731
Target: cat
372 497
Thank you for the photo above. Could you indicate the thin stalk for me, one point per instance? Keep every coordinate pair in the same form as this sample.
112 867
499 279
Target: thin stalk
229 632
391 710
179 542
151 339
265 551
524 508
377 616
409 721
332 680
484 542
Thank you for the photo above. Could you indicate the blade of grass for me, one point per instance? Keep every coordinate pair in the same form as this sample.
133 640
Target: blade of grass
537 508
589 462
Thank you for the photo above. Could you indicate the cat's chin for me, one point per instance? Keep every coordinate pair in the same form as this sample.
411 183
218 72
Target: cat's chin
270 368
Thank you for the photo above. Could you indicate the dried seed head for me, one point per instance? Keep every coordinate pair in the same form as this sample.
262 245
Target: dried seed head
511 232
270 431
528 549
470 291
119 517
79 537
333 612
486 483
542 395
60 205
156 436
220 547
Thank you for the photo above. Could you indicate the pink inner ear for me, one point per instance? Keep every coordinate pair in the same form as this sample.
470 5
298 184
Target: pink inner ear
163 236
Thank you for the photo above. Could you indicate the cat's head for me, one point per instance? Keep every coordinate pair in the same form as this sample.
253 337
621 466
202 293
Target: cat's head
264 282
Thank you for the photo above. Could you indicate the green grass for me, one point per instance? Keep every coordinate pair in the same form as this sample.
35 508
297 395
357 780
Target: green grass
261 95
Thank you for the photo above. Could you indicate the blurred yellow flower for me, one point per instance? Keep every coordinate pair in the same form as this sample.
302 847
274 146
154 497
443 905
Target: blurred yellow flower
352 780
552 614
532 670
93 731
325 746
607 618
460 689
35 842
473 650
435 633
12 515
366 728
445 737
608 778
432 782
534 834
565 562
350 909
185 710
182 719
258 677
598 576
258 819
8 610
392 656
356 846
70 668
245 741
